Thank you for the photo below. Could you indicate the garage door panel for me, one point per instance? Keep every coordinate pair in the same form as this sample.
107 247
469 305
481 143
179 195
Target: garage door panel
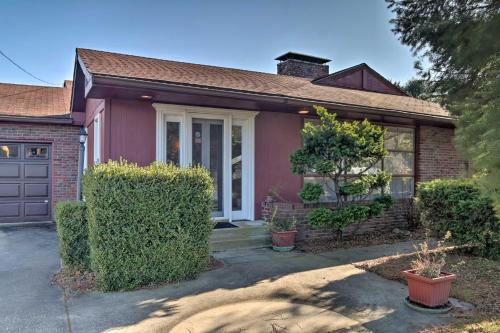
36 209
36 171
10 209
10 170
36 190
10 190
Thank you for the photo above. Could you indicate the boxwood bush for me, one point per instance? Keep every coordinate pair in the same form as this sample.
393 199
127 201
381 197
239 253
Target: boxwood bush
72 231
459 206
147 224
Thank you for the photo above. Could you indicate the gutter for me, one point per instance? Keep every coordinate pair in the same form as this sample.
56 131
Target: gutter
39 120
130 83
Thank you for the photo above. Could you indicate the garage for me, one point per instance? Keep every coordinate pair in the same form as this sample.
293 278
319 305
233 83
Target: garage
25 182
39 151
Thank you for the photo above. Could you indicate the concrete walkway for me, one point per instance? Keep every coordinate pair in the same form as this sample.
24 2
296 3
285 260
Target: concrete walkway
257 291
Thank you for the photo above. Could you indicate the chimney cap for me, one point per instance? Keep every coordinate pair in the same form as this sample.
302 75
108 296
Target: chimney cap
302 57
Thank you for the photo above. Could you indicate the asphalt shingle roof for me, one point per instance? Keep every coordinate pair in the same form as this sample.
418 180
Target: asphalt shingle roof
21 100
135 67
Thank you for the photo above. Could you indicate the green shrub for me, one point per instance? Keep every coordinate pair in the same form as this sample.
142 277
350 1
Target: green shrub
147 224
459 207
339 218
72 231
311 192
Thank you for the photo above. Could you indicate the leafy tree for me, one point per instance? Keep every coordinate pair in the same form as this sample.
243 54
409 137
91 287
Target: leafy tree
417 88
343 154
460 39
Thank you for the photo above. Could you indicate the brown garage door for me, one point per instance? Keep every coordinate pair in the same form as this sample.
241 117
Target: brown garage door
25 182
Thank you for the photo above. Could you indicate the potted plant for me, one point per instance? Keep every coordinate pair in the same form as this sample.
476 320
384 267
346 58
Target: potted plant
428 285
283 232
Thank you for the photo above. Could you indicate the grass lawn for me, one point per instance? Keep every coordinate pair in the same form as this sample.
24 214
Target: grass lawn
478 282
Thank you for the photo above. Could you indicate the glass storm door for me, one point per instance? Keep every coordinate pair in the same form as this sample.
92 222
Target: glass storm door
208 151
220 141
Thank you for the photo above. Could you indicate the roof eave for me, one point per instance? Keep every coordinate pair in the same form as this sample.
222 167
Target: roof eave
99 80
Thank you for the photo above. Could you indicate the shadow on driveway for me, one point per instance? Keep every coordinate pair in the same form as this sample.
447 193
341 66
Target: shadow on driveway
318 291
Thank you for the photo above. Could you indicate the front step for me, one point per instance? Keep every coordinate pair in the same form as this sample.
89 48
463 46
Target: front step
248 235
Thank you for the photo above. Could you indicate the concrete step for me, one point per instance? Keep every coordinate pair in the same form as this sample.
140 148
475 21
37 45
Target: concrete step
248 235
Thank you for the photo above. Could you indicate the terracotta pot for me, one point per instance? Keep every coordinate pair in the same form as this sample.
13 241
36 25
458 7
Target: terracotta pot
283 240
429 292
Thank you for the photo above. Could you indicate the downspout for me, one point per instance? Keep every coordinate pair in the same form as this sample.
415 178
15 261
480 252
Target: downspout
81 162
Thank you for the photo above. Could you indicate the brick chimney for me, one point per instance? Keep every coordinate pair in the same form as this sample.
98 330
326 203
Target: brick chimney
302 65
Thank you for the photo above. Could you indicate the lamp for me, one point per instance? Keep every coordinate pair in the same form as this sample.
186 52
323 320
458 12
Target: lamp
83 135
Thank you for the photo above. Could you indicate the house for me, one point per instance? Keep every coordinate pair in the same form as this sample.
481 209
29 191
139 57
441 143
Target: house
243 125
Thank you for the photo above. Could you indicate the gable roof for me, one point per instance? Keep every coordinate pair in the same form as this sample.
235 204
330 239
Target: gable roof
362 77
115 65
20 100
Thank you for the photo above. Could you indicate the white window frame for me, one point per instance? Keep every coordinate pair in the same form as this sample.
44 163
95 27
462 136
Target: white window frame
97 138
246 119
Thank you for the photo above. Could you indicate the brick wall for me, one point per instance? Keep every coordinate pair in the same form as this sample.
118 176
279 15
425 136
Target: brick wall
64 140
393 218
437 156
309 70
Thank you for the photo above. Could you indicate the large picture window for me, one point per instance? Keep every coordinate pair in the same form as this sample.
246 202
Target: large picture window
400 163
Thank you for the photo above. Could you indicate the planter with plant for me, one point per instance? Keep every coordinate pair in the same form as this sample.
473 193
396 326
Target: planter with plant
283 232
428 285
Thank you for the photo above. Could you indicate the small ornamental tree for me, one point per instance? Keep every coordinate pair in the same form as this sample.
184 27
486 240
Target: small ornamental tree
343 154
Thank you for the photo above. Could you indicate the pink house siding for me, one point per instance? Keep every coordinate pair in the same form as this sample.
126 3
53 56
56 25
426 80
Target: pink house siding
277 135
132 128
128 130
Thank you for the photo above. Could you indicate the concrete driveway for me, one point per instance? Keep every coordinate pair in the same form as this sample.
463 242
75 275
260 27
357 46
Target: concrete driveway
257 291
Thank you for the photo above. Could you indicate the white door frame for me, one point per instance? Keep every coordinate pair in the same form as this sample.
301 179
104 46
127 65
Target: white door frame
245 119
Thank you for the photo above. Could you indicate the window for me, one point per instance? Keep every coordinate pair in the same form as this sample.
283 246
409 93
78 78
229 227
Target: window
400 163
97 139
9 151
173 142
236 166
36 152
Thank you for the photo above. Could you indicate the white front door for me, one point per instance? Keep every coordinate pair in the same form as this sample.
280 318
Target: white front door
221 141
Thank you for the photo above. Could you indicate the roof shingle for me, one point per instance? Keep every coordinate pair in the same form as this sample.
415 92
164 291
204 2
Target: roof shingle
135 67
21 100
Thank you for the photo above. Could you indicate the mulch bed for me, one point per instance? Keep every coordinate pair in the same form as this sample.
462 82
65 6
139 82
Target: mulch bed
478 282
376 238
77 282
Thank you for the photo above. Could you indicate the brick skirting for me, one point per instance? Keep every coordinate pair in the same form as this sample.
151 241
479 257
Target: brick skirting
395 217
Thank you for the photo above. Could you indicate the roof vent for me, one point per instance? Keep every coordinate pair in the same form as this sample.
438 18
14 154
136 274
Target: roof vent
302 65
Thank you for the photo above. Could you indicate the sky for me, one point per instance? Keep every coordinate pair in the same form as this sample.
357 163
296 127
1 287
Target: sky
41 36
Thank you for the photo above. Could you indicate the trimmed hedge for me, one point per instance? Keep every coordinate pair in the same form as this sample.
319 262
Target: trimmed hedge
72 231
147 224
459 206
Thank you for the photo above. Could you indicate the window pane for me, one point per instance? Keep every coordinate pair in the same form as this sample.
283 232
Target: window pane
197 143
373 170
9 151
37 152
399 138
236 162
173 144
402 187
399 163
